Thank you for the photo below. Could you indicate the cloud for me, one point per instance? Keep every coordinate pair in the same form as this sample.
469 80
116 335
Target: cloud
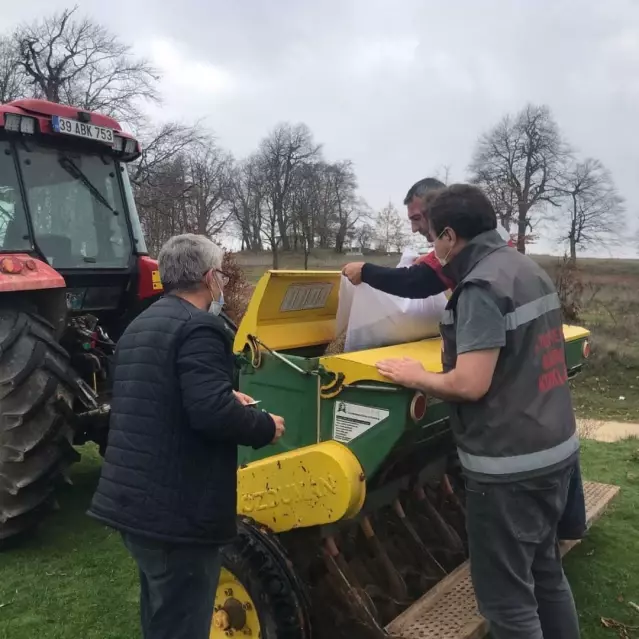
200 78
367 56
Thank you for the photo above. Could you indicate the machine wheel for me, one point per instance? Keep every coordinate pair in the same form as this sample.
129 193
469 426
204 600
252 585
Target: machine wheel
258 594
35 438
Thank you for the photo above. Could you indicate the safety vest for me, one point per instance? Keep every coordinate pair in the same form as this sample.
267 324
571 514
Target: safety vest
525 425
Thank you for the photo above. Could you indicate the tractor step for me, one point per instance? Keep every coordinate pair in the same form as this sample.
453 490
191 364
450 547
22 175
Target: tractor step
449 609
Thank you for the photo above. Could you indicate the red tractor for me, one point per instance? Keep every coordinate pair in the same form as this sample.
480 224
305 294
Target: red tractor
74 271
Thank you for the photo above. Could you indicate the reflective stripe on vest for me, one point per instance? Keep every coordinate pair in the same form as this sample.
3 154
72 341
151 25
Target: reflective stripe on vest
531 311
519 463
520 316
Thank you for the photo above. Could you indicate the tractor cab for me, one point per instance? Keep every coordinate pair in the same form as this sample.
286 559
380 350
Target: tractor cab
66 199
74 272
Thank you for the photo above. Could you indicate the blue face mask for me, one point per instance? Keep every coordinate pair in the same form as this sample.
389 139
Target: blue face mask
215 307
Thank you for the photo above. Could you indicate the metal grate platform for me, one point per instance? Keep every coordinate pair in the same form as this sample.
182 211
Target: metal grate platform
449 610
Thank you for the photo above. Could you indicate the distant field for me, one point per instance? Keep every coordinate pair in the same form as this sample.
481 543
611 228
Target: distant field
609 387
254 264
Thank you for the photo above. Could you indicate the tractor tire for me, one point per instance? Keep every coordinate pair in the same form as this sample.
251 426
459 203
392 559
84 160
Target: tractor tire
260 567
35 437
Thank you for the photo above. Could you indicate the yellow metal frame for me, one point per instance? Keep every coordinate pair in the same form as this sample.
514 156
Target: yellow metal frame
283 330
359 366
310 486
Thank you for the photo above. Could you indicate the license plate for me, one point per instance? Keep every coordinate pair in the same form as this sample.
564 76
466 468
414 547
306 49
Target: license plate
82 129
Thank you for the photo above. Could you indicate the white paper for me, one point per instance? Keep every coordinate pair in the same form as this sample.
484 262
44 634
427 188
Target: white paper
373 319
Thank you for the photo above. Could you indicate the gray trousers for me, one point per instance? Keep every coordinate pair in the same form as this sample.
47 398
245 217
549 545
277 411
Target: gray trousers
177 587
515 563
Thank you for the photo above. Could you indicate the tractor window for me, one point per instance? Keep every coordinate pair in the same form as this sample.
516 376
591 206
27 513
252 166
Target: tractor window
14 233
76 208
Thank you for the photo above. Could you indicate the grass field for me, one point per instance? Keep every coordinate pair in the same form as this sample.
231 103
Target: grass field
74 580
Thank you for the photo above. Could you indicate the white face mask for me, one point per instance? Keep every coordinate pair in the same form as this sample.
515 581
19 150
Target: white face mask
442 260
215 307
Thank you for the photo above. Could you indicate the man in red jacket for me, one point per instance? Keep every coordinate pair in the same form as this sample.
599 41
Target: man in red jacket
425 277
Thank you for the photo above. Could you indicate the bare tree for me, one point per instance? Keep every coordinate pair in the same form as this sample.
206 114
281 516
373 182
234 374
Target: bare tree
246 202
349 209
306 205
160 180
386 228
283 151
443 174
594 208
75 61
209 174
162 203
401 237
12 79
161 144
364 235
519 163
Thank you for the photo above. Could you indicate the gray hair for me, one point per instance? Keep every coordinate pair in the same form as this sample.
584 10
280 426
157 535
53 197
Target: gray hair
184 260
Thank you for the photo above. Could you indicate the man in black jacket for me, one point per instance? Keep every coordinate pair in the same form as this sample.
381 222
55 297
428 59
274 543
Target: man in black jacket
168 481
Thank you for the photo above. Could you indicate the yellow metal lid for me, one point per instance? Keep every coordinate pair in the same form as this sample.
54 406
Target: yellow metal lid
291 309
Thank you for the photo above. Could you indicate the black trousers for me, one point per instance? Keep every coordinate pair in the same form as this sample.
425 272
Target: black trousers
515 564
177 587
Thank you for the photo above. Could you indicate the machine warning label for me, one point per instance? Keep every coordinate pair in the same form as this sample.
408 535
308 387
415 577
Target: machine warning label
352 420
304 297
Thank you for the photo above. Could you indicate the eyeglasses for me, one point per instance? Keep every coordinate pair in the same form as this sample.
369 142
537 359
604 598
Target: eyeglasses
224 278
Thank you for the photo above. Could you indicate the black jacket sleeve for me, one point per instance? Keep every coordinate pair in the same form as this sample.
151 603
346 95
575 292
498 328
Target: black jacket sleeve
207 392
415 282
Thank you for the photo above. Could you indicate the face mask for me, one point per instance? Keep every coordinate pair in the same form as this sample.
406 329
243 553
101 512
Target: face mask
442 260
215 307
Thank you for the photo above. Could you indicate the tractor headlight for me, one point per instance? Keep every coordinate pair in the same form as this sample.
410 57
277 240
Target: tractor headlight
27 125
12 122
19 123
129 148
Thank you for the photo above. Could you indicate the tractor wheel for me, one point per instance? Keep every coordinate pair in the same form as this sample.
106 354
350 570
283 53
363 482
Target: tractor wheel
35 438
258 594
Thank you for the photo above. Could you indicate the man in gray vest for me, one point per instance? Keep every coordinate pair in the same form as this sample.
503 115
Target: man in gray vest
504 371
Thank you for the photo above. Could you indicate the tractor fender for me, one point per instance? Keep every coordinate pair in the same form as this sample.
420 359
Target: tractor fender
31 285
21 272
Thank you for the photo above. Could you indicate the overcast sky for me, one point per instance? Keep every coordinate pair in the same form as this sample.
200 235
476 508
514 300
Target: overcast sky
401 88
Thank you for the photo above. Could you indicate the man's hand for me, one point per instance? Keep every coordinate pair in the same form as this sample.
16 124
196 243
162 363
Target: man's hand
244 399
353 272
405 371
279 427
